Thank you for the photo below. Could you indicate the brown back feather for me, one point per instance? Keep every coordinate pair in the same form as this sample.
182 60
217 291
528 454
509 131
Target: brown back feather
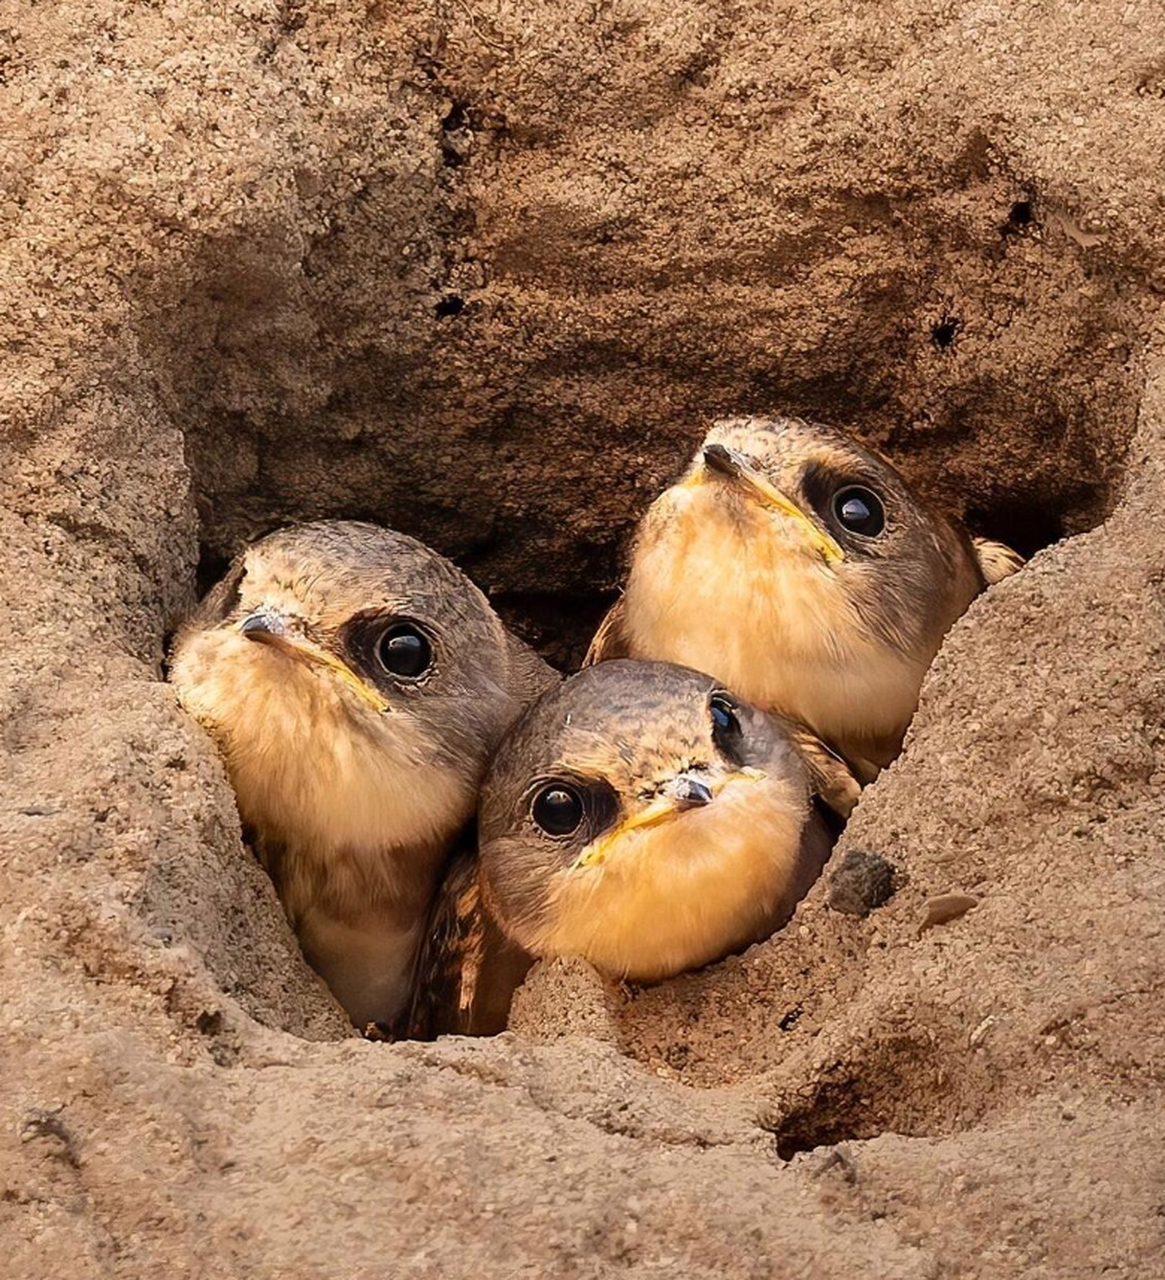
610 640
467 970
834 779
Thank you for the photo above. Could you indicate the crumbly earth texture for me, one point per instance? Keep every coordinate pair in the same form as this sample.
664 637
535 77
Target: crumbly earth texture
483 270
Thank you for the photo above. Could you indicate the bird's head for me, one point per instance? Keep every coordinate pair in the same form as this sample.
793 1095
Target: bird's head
356 682
643 818
809 500
788 542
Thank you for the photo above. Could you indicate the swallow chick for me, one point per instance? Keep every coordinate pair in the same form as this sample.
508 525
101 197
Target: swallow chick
797 566
640 817
356 683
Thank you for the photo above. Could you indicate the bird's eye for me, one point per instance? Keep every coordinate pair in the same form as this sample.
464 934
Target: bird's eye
725 725
557 809
859 510
405 651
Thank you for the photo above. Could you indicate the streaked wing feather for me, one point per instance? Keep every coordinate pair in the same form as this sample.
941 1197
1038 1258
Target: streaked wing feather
450 954
609 640
817 841
467 971
834 779
996 561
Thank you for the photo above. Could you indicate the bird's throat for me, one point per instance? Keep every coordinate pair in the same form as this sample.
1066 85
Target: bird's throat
740 597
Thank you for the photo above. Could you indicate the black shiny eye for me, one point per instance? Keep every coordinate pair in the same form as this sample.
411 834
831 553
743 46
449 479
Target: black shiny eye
723 714
859 510
557 809
725 725
405 651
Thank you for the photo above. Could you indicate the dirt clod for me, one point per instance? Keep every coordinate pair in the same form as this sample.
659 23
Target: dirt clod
861 882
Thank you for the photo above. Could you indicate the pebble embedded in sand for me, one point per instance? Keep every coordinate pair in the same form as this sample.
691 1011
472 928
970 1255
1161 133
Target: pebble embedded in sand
946 907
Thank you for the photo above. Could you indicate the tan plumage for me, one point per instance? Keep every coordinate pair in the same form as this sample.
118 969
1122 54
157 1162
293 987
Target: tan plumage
354 772
746 568
995 560
693 840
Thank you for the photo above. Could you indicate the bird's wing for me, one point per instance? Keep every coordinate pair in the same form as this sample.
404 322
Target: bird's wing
450 954
833 779
272 854
609 640
834 791
864 769
467 971
996 561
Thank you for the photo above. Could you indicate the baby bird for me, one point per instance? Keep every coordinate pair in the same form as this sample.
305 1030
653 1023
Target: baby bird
797 566
356 683
640 817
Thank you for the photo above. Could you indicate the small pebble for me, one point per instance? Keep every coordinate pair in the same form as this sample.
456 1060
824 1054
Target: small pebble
945 908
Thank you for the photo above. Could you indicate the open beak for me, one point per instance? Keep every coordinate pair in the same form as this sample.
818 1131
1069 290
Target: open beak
274 630
684 791
727 462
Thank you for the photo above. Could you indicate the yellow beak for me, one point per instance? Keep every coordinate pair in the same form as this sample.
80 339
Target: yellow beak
270 629
662 809
727 462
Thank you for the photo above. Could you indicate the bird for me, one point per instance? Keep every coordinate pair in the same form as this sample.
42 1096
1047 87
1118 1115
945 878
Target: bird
641 817
799 567
356 683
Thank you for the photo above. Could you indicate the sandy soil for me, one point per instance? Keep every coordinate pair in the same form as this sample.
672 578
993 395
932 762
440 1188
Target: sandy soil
483 270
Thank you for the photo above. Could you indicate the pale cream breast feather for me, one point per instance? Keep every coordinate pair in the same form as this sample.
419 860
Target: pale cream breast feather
366 960
360 810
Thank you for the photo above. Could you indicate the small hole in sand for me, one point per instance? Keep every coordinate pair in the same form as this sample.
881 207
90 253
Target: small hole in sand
944 333
789 1021
1021 214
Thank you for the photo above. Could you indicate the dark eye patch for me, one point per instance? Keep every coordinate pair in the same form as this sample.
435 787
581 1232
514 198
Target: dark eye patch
847 501
572 809
389 649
